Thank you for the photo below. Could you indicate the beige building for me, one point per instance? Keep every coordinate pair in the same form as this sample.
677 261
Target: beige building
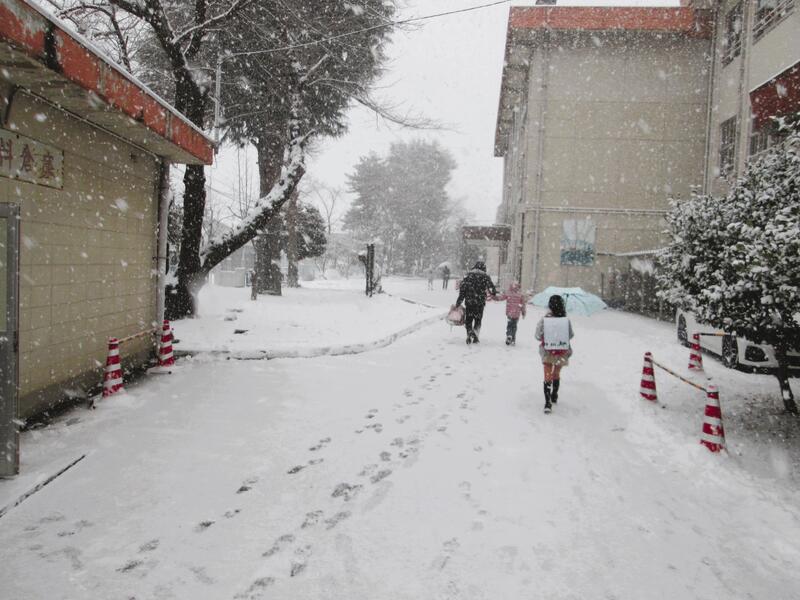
607 112
756 76
602 118
82 151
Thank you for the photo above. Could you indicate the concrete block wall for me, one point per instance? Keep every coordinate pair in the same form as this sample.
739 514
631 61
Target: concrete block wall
86 254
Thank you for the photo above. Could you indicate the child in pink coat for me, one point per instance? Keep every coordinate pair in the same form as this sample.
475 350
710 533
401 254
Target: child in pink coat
515 306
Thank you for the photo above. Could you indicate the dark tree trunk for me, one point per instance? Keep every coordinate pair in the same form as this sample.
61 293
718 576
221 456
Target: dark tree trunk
268 246
782 374
292 278
180 299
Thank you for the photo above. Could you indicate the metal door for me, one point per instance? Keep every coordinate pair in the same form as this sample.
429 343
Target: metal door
9 261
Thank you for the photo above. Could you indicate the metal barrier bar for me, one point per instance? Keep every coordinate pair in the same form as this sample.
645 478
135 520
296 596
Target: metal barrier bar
130 338
682 378
714 334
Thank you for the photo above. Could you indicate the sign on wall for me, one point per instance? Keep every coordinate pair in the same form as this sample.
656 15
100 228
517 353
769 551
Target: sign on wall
28 160
577 242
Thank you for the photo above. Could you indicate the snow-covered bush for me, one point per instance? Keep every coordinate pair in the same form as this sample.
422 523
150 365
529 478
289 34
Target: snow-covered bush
735 261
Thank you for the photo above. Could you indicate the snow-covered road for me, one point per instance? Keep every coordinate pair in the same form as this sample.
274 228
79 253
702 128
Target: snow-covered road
422 470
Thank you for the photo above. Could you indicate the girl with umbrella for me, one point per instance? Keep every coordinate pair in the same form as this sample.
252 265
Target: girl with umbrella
554 331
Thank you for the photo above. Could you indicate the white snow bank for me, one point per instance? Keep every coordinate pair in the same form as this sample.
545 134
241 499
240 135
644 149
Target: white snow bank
301 323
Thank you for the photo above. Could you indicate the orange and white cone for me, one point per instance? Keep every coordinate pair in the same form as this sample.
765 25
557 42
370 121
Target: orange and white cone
647 390
112 375
166 359
165 356
695 357
713 435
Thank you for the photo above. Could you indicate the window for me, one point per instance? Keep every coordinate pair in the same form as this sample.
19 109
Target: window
727 146
732 39
768 14
577 242
764 138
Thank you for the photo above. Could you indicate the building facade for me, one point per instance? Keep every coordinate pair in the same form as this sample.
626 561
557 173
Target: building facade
83 148
608 112
602 119
756 75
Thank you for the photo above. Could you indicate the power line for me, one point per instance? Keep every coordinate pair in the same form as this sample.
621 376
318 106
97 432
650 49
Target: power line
373 28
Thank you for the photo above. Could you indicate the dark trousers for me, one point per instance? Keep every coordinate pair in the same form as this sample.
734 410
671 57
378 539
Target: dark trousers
444 282
511 329
473 315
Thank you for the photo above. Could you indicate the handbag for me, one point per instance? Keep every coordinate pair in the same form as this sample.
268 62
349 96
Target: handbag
456 315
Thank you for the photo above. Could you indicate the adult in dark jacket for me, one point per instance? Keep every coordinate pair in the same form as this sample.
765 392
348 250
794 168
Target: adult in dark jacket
472 292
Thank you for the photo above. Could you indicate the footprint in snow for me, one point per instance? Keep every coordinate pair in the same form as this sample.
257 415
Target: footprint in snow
203 525
336 519
229 514
312 518
129 566
255 589
300 562
346 491
383 474
149 546
320 445
386 456
296 469
279 545
247 485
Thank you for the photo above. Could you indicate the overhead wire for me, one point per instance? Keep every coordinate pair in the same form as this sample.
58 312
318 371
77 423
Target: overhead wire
372 28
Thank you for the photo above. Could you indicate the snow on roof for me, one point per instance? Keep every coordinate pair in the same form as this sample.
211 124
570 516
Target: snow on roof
51 44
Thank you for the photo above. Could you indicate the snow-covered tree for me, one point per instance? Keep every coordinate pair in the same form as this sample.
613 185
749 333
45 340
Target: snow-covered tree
735 261
402 201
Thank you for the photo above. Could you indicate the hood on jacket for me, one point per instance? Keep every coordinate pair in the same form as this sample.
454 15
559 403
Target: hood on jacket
480 266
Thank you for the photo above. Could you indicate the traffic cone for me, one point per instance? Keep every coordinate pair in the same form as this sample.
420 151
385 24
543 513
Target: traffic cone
165 357
647 390
112 376
166 360
713 435
695 357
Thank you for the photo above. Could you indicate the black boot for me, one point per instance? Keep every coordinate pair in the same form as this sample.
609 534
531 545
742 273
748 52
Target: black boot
554 394
547 406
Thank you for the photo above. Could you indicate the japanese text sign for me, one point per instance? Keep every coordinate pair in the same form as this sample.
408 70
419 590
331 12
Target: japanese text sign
25 159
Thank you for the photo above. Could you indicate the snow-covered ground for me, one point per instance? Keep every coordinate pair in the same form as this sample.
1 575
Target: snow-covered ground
425 469
328 318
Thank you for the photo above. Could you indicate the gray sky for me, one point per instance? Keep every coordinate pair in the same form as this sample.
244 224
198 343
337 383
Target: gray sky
448 69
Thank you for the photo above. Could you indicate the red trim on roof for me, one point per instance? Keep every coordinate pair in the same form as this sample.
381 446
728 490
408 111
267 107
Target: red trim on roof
12 28
685 20
24 27
778 97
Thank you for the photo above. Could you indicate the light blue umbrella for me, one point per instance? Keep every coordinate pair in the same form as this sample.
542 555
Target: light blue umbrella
578 301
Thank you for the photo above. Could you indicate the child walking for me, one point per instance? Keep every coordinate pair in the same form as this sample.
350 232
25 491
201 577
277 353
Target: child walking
554 330
515 306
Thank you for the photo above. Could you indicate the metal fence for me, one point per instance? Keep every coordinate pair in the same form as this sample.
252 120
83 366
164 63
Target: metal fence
635 291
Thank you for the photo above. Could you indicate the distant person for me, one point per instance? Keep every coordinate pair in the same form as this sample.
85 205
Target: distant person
515 306
554 330
430 278
472 292
445 276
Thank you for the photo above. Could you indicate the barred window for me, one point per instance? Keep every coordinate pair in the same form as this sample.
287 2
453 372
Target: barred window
727 146
732 39
764 138
768 14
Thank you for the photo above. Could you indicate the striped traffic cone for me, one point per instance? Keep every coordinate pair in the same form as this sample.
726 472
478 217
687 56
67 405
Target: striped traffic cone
166 359
112 376
647 390
165 356
713 435
695 357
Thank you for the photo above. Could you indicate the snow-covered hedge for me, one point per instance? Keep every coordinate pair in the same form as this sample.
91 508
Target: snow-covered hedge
735 261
